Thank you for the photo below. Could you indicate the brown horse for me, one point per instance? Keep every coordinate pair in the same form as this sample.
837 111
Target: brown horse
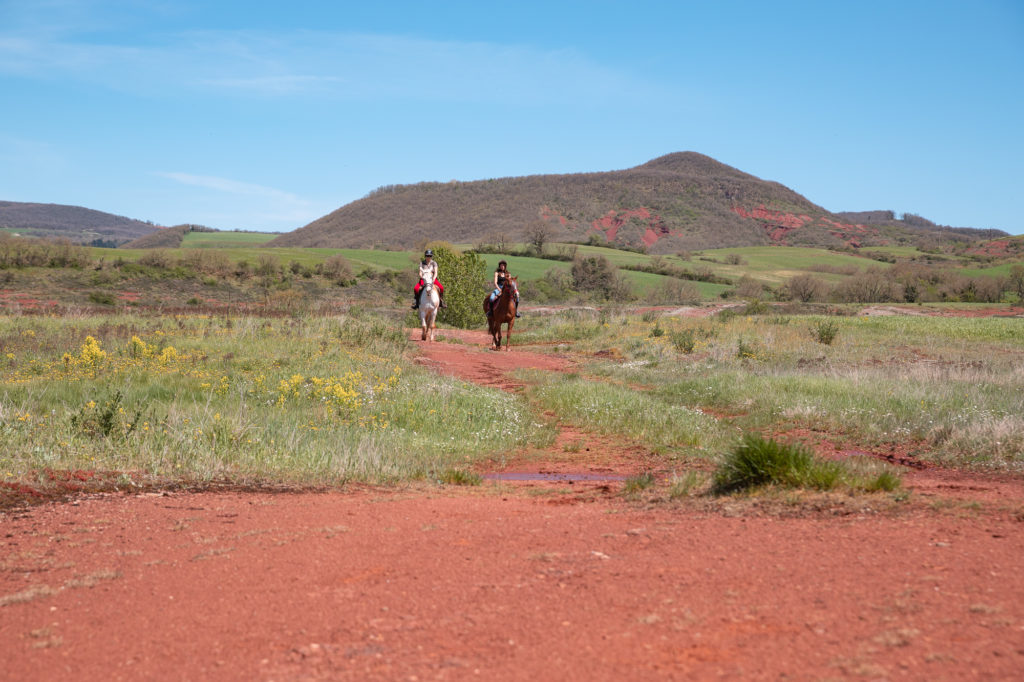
503 312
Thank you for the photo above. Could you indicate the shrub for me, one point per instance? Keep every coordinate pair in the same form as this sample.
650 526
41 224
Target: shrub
757 462
674 291
596 277
102 298
683 341
871 286
337 269
755 306
805 288
157 258
745 350
464 276
747 287
267 265
825 331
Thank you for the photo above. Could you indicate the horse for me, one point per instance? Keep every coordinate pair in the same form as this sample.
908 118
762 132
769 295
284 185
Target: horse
429 301
503 312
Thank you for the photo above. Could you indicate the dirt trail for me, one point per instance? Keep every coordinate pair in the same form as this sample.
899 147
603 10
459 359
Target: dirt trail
512 581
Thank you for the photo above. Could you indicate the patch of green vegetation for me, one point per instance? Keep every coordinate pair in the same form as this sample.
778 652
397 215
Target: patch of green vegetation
952 387
613 409
758 462
196 398
197 239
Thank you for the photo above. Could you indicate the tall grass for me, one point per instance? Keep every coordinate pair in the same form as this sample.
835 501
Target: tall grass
325 399
614 409
952 389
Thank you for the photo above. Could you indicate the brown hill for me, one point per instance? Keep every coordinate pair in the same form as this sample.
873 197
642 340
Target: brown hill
168 238
74 223
679 201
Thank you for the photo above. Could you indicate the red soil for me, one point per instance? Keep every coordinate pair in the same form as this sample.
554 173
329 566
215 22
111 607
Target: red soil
517 580
779 224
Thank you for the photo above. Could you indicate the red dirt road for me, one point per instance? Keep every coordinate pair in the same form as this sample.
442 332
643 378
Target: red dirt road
514 581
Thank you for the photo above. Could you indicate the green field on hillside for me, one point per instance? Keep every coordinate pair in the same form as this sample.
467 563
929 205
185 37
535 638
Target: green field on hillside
775 264
200 240
1001 270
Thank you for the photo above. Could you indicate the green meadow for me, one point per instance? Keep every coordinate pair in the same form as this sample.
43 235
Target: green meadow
308 399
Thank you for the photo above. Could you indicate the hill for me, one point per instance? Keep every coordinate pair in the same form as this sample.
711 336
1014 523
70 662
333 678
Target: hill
682 201
74 223
169 238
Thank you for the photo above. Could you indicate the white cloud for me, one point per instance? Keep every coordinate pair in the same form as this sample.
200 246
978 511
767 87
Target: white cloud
319 63
265 206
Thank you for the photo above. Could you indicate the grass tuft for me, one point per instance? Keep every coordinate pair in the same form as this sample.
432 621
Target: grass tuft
638 483
758 462
460 477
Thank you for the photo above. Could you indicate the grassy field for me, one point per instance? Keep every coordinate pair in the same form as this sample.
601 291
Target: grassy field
217 271
199 398
950 389
774 265
328 400
200 240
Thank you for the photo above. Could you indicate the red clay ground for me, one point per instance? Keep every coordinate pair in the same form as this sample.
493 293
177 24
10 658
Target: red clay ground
511 581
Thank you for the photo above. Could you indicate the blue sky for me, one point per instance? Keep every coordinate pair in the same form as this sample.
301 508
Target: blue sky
239 116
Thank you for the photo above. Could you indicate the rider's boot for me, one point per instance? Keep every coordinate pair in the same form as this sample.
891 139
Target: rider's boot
518 314
442 303
415 301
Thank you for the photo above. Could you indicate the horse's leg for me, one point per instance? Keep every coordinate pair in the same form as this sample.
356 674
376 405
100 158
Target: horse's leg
508 336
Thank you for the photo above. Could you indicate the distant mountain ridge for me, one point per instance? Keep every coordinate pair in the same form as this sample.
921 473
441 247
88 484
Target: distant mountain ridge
683 200
74 223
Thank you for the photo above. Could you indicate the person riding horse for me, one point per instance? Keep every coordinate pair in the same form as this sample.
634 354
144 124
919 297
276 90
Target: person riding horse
427 265
500 276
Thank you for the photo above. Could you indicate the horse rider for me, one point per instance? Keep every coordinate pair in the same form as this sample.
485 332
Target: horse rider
501 275
428 265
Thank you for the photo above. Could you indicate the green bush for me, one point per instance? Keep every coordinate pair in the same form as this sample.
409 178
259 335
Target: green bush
825 331
464 277
683 341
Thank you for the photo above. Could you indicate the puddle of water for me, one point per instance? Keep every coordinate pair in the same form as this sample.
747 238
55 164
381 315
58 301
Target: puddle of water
561 478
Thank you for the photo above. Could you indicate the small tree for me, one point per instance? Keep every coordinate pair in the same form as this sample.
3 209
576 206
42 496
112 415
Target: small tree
596 277
1015 281
748 287
806 288
538 233
464 276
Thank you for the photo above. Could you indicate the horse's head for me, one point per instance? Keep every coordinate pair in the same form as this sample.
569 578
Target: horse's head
428 279
514 281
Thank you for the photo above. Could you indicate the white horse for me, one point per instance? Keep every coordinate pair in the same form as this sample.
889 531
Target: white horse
429 301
